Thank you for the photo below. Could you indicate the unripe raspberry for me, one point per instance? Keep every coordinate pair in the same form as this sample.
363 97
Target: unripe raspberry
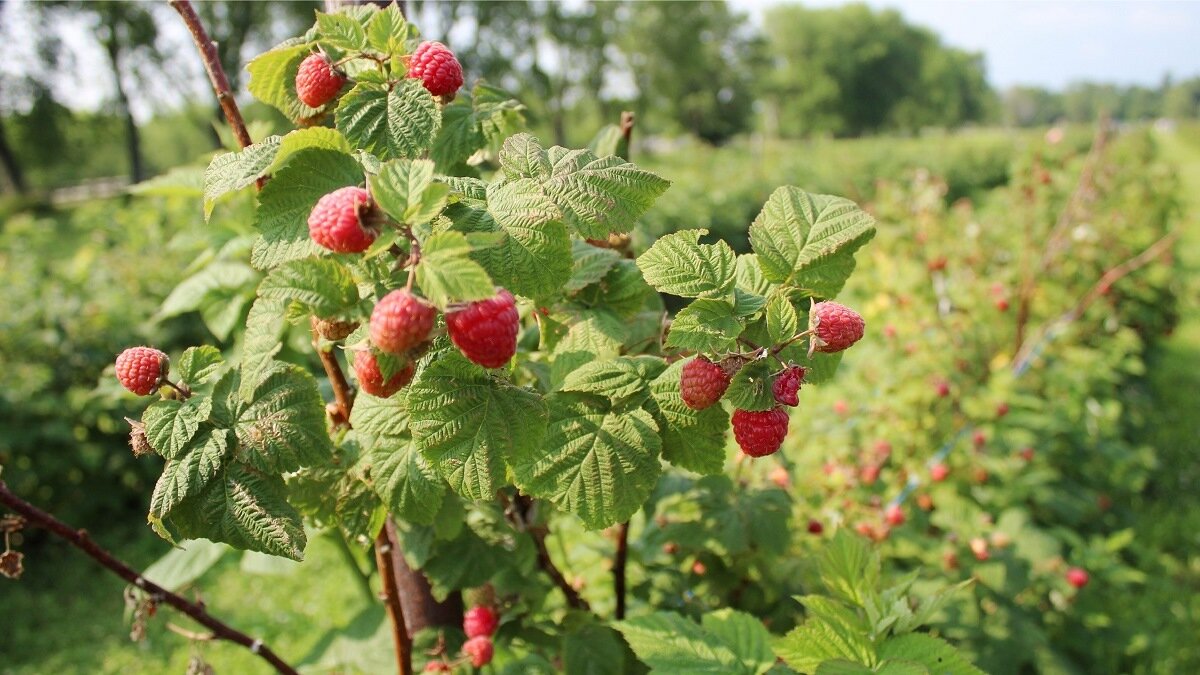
437 68
787 386
344 221
1078 577
938 472
979 547
318 81
894 515
370 377
401 321
835 327
702 383
480 621
486 331
760 433
438 667
142 369
924 502
780 477
480 650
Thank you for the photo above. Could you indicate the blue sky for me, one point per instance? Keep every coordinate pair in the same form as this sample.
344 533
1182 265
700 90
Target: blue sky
1053 43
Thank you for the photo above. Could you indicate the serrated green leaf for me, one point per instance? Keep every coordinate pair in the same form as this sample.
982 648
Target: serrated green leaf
622 290
474 121
669 643
406 482
322 287
691 439
598 335
273 80
781 318
706 325
213 283
197 364
190 474
379 421
311 138
808 241
282 428
744 635
288 198
747 304
341 30
609 141
447 273
816 641
262 340
171 424
185 563
598 462
590 264
680 265
390 123
749 277
843 667
535 259
900 667
928 607
522 156
751 387
405 189
236 170
618 380
932 652
387 31
848 568
592 650
469 422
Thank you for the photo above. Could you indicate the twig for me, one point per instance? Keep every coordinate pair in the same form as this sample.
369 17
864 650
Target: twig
391 599
343 395
524 504
619 561
82 540
362 577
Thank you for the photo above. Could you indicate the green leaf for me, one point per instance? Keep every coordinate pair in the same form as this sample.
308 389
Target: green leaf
842 621
749 277
932 652
596 336
379 421
322 287
262 340
744 635
283 426
187 476
185 563
522 156
590 264
598 462
593 650
691 439
808 241
468 422
618 380
236 170
535 259
747 304
928 606
407 483
622 290
341 31
171 424
400 122
473 122
273 80
843 667
312 138
680 265
609 141
216 282
706 325
751 387
816 641
245 509
287 199
669 643
199 363
405 190
447 274
848 568
782 320
387 31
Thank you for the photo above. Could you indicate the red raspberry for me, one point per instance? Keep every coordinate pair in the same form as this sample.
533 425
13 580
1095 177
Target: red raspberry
480 650
438 667
486 331
702 383
1078 577
787 385
815 526
760 433
835 327
480 621
401 321
434 64
344 221
979 547
370 377
142 369
317 81
938 472
894 515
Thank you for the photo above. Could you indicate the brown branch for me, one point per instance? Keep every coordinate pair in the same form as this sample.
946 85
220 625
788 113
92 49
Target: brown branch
619 561
343 395
212 65
391 599
81 540
524 505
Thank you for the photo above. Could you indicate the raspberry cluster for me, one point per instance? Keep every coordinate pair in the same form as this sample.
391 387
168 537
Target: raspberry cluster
479 623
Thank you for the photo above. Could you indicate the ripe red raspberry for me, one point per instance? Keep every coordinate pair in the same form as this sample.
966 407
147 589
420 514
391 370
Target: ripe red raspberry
370 377
344 221
142 369
438 667
1078 577
401 321
815 526
760 433
318 81
437 68
938 472
835 327
480 650
486 331
894 515
702 383
480 621
787 385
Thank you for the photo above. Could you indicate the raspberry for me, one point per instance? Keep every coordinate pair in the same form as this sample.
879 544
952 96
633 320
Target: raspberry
334 329
344 221
835 327
142 369
702 383
480 621
486 331
894 515
370 377
787 385
815 526
1078 577
780 477
760 433
317 81
401 321
480 650
938 472
434 64
979 547
438 667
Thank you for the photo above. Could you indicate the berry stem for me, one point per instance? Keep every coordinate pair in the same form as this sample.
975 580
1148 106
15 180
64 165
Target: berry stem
783 345
181 389
81 540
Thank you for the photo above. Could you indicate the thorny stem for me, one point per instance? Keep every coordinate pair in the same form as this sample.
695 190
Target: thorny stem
81 540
